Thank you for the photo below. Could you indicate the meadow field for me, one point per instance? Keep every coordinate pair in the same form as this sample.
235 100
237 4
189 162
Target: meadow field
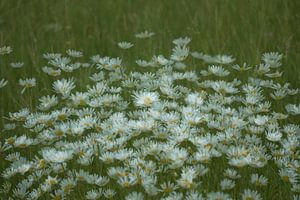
224 33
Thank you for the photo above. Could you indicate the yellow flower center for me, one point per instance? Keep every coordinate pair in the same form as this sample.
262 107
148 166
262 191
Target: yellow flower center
148 101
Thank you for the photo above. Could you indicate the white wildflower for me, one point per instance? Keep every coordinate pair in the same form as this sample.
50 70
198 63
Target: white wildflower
125 45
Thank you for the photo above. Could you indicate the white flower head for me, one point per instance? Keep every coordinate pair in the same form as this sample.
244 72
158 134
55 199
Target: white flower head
194 99
258 180
182 41
223 59
273 135
27 83
55 156
17 65
273 59
293 109
227 184
23 141
24 168
144 34
251 194
5 50
125 45
64 87
146 99
74 53
180 53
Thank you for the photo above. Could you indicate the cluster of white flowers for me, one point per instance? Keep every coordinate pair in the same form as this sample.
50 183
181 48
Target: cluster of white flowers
159 132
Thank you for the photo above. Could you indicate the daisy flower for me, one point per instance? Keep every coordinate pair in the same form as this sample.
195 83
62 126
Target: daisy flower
125 45
17 65
51 56
46 102
142 63
27 83
145 99
218 71
180 53
144 34
55 156
274 135
168 187
135 196
74 53
273 59
223 59
291 108
182 41
251 195
51 72
231 173
227 184
241 68
64 87
23 141
5 50
258 180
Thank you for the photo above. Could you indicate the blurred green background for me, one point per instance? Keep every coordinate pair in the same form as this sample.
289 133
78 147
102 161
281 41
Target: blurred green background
242 28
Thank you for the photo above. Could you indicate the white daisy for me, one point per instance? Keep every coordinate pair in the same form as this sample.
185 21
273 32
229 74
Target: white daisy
27 83
251 195
55 156
5 50
64 87
17 64
146 99
74 53
144 34
125 45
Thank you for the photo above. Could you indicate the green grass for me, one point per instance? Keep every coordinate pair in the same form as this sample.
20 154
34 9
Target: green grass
242 28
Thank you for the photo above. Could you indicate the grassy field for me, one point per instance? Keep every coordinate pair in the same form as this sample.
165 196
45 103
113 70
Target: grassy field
242 28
